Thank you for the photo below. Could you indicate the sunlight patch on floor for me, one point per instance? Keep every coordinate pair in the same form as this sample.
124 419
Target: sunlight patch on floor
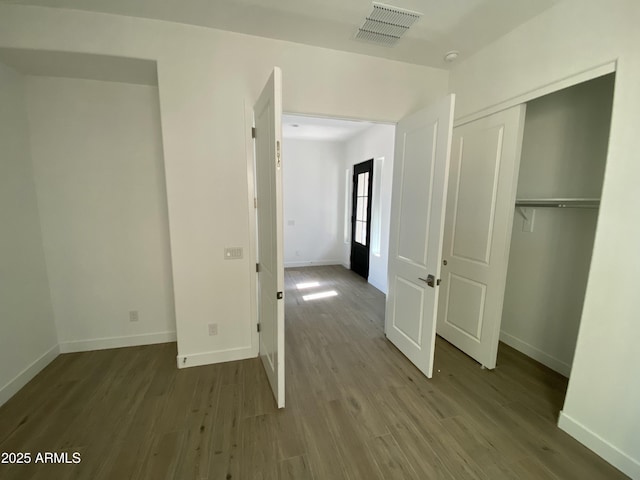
316 296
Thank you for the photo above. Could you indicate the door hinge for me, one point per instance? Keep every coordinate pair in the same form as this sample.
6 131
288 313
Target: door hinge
258 328
257 267
438 282
255 202
253 132
279 295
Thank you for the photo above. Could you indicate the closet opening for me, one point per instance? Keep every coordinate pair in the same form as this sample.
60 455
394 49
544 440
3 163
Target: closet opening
562 165
522 211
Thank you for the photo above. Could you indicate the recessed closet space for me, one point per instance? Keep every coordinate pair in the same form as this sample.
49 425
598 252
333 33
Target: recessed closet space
93 158
562 168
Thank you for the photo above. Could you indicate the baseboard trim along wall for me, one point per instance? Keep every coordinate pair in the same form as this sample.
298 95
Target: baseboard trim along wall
117 342
623 462
311 263
544 358
198 359
10 389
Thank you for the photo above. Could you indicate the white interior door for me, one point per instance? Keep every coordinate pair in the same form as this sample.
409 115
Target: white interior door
420 170
268 139
485 158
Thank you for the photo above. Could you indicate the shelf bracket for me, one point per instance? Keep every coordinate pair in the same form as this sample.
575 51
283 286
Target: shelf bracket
524 212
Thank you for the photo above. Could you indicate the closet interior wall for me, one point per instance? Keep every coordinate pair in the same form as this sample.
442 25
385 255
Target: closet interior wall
563 156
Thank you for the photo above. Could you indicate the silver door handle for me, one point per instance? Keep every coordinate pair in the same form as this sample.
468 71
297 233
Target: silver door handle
430 280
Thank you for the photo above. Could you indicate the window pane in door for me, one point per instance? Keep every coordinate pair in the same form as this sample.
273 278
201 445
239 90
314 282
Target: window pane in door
361 185
360 211
358 232
363 234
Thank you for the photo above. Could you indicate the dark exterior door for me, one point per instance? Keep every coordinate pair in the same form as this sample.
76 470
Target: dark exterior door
361 217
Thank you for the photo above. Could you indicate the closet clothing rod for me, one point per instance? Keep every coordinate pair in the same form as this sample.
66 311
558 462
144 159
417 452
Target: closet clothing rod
559 203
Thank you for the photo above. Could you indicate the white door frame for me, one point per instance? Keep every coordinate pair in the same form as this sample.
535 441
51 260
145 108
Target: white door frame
570 81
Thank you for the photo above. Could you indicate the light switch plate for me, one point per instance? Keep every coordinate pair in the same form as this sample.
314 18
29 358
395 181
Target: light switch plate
233 253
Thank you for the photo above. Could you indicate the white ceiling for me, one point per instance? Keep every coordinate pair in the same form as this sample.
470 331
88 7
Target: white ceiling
80 65
464 25
320 128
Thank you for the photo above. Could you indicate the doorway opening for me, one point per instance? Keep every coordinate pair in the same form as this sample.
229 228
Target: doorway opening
323 214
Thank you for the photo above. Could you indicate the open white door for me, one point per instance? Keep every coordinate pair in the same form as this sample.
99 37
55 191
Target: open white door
420 171
267 114
480 207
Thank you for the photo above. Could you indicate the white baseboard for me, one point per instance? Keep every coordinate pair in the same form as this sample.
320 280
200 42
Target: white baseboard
544 358
117 342
208 358
623 462
310 263
10 389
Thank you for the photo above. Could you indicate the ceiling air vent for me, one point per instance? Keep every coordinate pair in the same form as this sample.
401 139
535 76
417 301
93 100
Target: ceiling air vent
386 24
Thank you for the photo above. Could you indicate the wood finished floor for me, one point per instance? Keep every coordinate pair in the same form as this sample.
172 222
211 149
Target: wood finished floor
356 409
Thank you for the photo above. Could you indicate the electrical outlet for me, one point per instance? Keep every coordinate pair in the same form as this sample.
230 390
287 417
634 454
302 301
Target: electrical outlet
133 316
213 329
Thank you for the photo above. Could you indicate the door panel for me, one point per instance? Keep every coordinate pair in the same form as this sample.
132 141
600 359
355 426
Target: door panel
267 117
479 216
464 303
409 298
420 170
477 184
416 188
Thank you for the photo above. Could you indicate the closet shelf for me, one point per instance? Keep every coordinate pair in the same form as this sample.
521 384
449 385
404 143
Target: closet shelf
558 202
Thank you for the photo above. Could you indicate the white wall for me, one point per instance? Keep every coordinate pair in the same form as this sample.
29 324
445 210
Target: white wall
376 142
208 81
601 407
27 332
564 153
99 174
312 172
